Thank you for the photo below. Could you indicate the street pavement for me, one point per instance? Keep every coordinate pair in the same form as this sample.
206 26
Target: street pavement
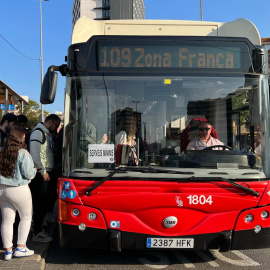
35 262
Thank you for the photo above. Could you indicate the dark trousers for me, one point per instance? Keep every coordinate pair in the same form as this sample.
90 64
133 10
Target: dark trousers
44 195
52 191
39 190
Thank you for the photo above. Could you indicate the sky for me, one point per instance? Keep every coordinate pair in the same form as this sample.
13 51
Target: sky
20 66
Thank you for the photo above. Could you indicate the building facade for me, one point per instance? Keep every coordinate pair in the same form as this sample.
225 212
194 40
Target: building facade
9 100
266 44
108 10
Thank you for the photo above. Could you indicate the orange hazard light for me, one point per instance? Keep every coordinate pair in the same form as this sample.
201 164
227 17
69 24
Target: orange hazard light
62 210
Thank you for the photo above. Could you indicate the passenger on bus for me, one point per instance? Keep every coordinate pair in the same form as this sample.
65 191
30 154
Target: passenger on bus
204 139
126 136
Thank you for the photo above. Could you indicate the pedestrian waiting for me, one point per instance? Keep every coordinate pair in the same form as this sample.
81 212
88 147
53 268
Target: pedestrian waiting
23 122
6 124
16 171
44 186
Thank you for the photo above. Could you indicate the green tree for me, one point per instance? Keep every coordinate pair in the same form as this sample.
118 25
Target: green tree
32 111
239 102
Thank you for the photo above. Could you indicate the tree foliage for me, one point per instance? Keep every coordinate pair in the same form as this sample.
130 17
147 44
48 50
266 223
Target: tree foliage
239 102
32 111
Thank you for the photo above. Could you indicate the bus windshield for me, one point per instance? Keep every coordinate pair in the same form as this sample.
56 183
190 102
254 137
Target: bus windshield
162 116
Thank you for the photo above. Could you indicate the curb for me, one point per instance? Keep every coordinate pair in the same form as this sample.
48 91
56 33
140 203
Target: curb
37 261
42 256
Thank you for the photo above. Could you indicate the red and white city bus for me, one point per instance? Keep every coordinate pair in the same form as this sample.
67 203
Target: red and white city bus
166 77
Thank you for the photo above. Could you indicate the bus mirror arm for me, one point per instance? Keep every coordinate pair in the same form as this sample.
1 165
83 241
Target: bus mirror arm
63 69
49 85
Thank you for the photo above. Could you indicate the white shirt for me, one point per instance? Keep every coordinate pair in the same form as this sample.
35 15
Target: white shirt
198 144
121 138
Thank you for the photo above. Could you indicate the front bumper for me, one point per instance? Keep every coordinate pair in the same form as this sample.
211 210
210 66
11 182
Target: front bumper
248 239
115 240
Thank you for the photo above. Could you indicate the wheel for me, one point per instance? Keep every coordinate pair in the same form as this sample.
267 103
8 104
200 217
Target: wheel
224 147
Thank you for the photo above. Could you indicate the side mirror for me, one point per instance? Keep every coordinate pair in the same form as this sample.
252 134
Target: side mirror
49 85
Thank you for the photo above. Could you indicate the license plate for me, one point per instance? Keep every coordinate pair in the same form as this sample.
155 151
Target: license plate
170 243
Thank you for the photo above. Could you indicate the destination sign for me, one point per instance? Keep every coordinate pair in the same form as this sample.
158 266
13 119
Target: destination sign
100 153
154 56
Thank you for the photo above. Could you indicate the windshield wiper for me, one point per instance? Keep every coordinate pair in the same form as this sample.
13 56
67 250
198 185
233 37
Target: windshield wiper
88 192
81 171
152 170
248 190
156 170
136 169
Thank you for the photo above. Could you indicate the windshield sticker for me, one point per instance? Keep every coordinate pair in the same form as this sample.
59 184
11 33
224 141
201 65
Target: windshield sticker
67 185
71 194
114 224
178 200
64 194
100 153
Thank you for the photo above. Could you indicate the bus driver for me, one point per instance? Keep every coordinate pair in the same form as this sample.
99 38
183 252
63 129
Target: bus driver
204 139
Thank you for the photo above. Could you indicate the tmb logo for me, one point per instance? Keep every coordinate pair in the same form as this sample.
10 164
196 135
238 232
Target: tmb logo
169 222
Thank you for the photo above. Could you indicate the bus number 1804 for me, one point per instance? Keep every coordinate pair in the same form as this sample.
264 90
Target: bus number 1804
195 199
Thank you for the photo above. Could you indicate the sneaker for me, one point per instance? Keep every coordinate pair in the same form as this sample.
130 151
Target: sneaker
42 237
8 255
23 252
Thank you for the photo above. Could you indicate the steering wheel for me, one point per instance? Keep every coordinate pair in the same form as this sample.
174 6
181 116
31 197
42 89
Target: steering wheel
224 147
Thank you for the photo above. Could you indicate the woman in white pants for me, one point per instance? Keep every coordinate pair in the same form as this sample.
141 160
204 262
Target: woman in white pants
16 171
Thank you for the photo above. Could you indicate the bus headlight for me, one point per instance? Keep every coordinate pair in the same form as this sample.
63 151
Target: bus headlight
92 216
265 214
249 218
75 212
257 228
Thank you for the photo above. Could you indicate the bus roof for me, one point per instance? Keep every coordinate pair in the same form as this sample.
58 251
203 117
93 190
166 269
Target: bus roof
86 28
